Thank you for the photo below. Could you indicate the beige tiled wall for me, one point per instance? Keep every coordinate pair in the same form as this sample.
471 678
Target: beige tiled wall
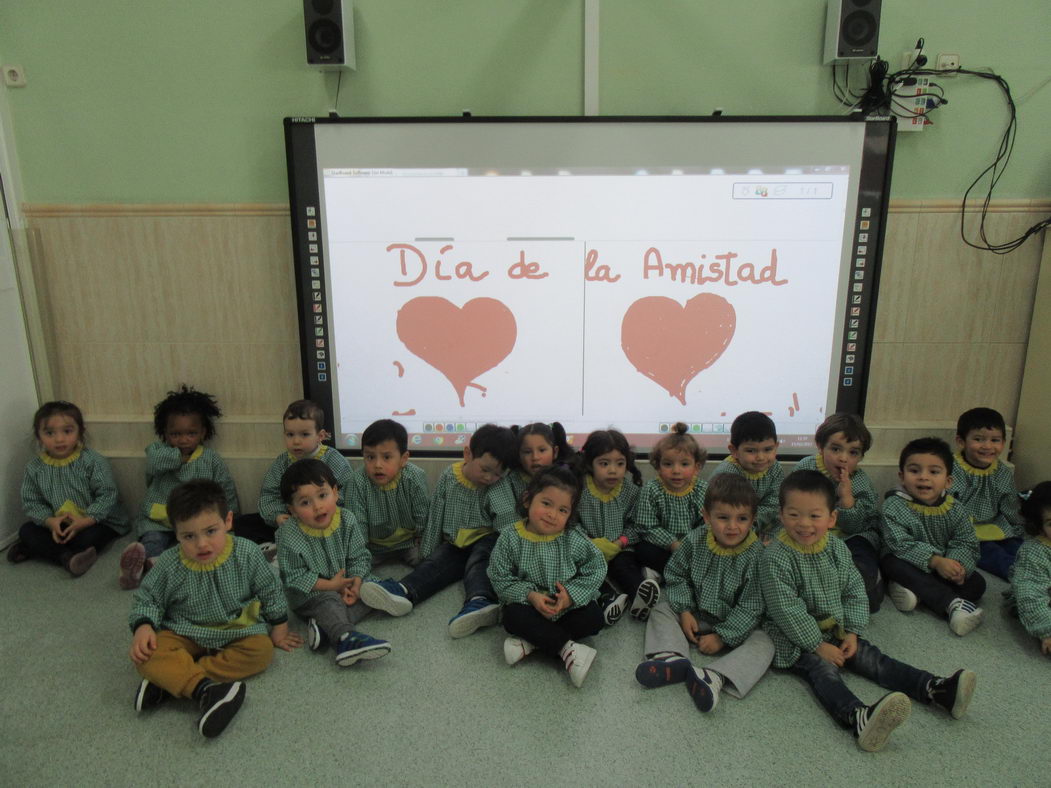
136 299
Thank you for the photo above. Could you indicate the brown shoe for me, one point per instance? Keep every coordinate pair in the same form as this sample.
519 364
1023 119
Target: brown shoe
17 553
81 562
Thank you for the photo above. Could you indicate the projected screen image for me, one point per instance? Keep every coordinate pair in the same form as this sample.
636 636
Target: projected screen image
458 274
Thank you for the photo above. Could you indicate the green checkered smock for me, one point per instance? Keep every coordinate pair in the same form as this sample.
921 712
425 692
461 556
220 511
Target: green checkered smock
165 471
767 486
1031 586
863 518
523 561
989 496
504 497
605 517
393 514
915 532
270 503
82 483
309 554
213 604
813 594
663 517
460 512
721 582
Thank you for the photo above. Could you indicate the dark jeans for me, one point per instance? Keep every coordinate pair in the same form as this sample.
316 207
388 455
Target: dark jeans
625 572
39 544
866 559
823 677
931 588
998 557
254 528
652 556
549 636
448 564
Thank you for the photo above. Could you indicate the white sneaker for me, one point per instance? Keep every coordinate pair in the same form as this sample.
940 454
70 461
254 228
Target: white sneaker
646 598
902 597
516 649
578 659
964 616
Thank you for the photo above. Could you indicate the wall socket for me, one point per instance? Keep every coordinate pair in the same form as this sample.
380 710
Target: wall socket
946 62
14 76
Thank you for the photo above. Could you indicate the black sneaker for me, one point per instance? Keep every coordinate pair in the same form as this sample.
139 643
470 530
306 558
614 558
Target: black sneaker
17 553
954 693
613 606
149 696
219 703
873 724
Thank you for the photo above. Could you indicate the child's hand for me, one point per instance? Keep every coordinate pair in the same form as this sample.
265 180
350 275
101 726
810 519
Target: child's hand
562 599
845 490
282 637
849 646
710 644
336 583
542 603
59 529
949 569
830 653
143 644
79 523
674 545
350 593
280 519
689 627
1045 647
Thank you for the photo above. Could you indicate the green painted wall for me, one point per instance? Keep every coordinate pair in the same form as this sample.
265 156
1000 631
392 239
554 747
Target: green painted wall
182 101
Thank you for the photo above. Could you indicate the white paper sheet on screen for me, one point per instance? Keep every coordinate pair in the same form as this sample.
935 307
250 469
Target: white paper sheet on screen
540 297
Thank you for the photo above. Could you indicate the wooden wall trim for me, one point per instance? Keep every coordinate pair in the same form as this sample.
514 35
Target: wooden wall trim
102 210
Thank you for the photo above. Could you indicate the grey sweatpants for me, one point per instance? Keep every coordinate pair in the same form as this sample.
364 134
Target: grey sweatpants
333 615
742 667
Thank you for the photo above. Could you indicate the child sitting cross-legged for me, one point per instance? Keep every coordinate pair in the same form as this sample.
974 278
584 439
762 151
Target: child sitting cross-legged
323 558
930 548
1031 573
202 614
817 610
548 578
713 601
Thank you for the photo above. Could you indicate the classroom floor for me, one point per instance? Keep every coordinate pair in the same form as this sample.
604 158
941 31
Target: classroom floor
439 711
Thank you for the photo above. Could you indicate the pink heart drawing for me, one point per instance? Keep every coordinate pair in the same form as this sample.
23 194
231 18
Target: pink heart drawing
460 342
670 343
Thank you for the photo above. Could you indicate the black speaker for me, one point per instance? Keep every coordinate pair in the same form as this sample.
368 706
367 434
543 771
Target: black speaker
851 30
330 33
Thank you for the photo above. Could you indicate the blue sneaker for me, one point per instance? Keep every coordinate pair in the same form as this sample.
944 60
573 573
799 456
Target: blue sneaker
357 646
386 595
477 612
662 672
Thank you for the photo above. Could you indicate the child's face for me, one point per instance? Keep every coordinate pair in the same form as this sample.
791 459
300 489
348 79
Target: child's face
59 435
981 447
484 470
806 516
676 469
840 455
755 456
535 452
729 524
608 469
925 477
1045 518
203 537
302 437
549 511
383 461
185 432
314 505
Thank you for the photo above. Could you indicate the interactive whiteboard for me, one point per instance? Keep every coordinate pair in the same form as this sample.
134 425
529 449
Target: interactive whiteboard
615 272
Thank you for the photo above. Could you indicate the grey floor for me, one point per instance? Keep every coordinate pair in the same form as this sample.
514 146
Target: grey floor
439 711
